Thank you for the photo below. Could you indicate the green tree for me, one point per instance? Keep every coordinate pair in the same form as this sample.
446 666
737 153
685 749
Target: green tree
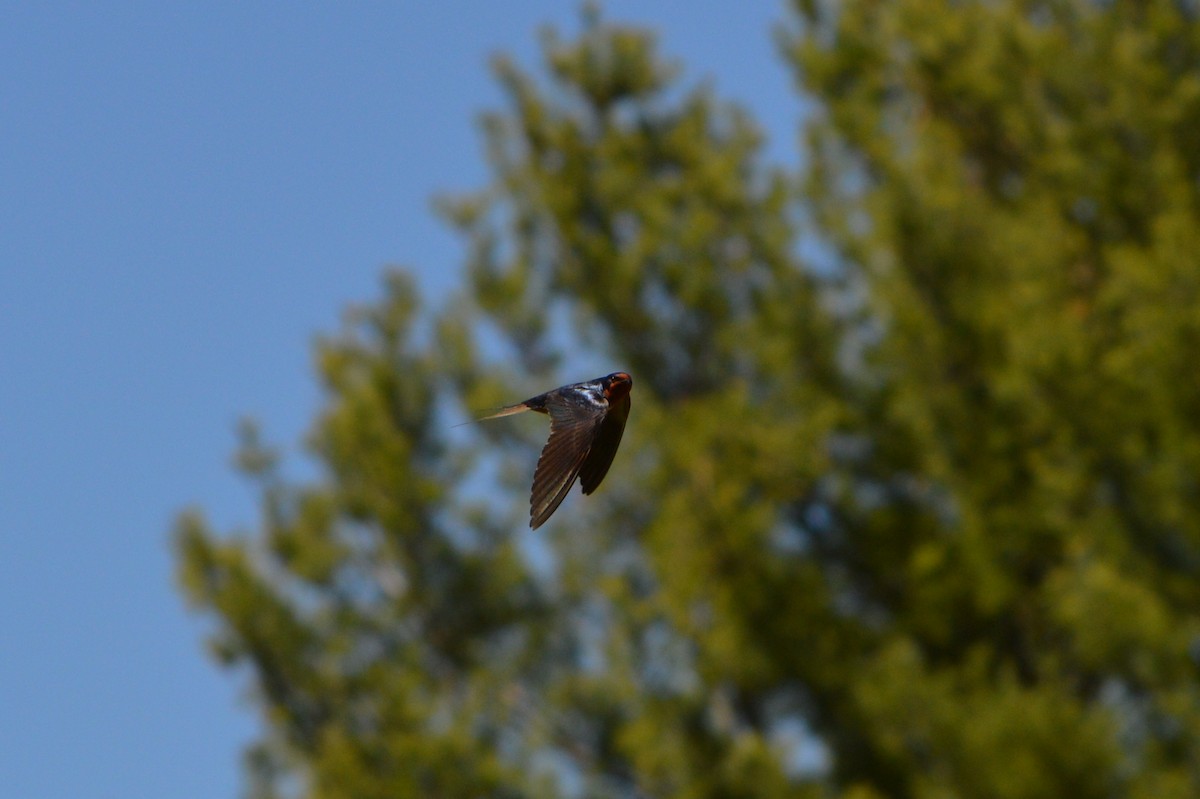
919 520
1015 187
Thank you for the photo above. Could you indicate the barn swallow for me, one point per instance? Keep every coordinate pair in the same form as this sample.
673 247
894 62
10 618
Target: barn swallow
586 423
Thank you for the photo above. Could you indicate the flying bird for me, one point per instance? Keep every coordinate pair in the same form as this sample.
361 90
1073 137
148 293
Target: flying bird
586 423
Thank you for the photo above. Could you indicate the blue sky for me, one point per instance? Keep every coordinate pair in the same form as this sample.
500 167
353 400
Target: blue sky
189 193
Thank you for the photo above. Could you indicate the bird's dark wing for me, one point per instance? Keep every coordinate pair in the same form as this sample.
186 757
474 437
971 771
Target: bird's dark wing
573 425
604 447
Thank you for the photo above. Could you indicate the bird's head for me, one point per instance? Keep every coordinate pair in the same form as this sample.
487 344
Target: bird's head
617 386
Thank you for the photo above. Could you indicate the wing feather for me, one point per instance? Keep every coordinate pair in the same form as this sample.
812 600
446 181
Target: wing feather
572 428
604 447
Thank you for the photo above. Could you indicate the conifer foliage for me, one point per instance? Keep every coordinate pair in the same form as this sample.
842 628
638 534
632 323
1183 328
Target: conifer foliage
921 519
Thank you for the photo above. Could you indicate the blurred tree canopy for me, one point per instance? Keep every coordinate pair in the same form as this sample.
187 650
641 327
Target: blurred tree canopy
909 503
